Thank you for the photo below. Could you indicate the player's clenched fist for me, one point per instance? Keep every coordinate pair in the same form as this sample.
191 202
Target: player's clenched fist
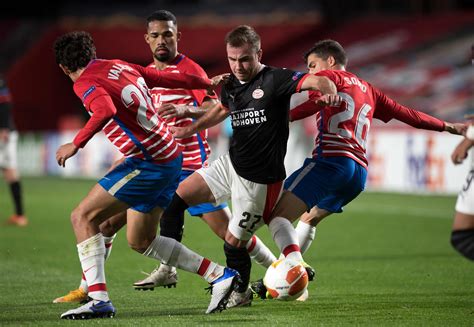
65 152
331 100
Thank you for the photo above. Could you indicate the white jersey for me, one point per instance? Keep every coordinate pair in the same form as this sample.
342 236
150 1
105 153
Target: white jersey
465 201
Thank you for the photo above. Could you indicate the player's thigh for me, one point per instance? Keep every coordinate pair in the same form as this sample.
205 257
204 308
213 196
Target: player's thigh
289 206
463 221
142 228
252 205
194 190
218 221
209 184
11 175
98 206
314 216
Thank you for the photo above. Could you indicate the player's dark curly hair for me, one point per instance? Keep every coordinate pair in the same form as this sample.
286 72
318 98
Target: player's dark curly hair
325 48
243 34
161 15
74 50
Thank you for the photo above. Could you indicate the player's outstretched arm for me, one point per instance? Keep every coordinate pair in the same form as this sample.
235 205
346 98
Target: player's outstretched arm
318 83
156 78
387 109
212 117
171 110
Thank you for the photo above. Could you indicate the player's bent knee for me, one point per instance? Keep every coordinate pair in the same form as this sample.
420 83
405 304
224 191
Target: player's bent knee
140 245
140 248
77 217
463 242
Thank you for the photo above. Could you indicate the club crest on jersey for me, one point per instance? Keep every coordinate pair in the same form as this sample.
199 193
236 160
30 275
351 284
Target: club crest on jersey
88 92
257 94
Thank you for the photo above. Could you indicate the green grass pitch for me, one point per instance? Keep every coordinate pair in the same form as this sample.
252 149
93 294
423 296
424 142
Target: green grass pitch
386 261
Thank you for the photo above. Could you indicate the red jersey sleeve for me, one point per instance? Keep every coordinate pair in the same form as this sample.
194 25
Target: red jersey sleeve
331 75
386 109
307 108
310 107
156 78
200 94
103 109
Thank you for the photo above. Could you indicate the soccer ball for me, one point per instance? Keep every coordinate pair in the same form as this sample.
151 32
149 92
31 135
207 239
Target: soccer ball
286 280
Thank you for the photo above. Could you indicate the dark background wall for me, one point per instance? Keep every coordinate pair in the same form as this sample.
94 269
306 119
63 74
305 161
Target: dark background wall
43 96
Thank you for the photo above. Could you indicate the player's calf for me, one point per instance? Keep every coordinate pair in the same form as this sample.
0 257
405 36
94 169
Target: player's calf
463 242
239 259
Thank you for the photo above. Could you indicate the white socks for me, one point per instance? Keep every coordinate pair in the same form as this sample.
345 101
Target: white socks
306 234
92 256
108 240
259 252
285 237
176 254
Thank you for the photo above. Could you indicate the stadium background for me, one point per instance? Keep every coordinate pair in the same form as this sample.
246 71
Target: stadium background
418 52
387 261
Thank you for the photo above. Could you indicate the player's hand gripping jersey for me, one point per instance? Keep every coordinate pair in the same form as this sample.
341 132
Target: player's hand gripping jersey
196 149
342 131
115 93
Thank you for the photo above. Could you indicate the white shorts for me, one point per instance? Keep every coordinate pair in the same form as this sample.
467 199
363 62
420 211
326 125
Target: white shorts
8 157
252 203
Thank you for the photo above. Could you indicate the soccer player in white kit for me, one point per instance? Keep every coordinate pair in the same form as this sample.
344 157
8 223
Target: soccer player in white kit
462 236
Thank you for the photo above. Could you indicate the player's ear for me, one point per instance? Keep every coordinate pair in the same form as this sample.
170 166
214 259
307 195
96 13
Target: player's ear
259 54
146 38
331 61
178 36
65 69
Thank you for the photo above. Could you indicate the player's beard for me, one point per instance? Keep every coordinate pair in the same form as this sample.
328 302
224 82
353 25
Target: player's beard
163 57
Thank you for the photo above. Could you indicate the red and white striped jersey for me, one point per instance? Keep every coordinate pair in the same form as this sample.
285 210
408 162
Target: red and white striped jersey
342 131
196 149
116 95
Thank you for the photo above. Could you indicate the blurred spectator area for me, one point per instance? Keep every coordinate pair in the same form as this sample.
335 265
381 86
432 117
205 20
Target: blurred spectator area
422 59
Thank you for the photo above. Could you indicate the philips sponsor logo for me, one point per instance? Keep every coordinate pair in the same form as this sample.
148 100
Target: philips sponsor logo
88 92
